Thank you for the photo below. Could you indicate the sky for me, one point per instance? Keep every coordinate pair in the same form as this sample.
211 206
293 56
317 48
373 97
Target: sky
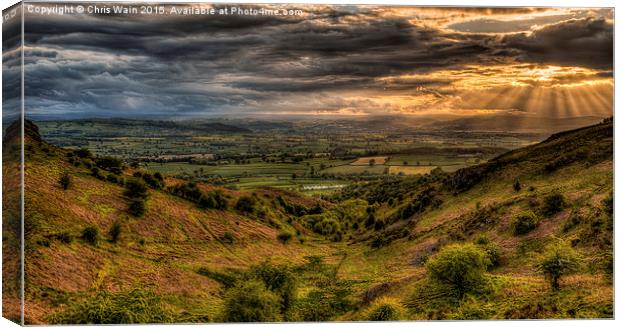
344 61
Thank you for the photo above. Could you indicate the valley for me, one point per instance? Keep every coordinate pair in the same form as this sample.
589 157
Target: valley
200 242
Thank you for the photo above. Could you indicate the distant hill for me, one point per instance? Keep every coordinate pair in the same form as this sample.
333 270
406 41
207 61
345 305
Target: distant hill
209 127
513 123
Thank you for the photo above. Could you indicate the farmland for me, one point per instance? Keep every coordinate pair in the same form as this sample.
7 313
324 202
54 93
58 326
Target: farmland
301 155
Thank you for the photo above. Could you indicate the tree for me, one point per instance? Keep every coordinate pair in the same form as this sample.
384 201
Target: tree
559 260
65 181
371 162
250 301
460 266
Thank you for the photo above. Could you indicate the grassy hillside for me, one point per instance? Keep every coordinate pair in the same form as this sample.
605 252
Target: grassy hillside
99 248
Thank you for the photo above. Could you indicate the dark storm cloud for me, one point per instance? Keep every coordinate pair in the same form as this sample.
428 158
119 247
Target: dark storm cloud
116 64
583 42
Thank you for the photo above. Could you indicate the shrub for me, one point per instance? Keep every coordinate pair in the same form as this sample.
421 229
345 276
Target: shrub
87 163
90 234
94 171
220 200
516 186
524 222
277 279
370 221
461 267
137 207
115 231
492 250
65 181
112 178
205 201
156 183
228 237
385 309
129 307
328 226
83 153
108 163
379 224
246 204
64 237
136 188
284 237
250 301
553 204
211 200
559 260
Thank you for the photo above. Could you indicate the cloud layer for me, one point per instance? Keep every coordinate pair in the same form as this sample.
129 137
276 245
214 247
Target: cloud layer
339 60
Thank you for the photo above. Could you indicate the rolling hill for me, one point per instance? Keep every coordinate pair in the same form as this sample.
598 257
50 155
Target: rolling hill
89 247
514 123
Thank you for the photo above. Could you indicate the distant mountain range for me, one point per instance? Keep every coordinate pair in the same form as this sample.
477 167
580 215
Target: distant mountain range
394 124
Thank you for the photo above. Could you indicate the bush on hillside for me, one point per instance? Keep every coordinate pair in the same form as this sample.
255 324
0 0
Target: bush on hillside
228 237
246 204
553 204
109 163
130 307
115 231
524 222
325 303
211 200
492 250
370 221
112 178
278 279
558 261
155 181
136 188
64 237
385 309
250 301
90 234
65 181
95 172
284 237
83 153
137 207
516 186
461 267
